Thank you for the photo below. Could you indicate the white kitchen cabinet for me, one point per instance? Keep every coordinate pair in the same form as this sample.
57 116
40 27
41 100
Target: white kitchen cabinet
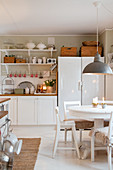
35 110
45 109
109 87
26 111
13 110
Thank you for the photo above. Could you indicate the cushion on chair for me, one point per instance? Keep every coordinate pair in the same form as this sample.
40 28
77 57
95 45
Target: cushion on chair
106 123
82 124
100 134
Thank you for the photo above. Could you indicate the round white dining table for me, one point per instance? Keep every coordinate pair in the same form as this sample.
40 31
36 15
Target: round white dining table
88 112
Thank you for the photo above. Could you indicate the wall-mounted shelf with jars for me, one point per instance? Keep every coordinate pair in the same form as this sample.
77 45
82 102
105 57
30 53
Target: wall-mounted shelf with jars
26 63
23 64
28 50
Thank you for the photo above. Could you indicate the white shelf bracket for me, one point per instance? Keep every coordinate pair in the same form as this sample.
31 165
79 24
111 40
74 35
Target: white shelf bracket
7 69
51 53
29 53
29 69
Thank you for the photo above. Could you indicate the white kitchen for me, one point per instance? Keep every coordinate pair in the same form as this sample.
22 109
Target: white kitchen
56 93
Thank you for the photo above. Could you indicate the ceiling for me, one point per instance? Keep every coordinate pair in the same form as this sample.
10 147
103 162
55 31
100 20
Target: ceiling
53 17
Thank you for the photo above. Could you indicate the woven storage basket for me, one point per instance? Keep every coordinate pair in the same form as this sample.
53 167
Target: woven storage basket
90 43
68 51
90 51
20 60
9 59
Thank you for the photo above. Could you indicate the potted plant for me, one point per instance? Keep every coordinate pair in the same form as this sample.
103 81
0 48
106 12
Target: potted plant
49 84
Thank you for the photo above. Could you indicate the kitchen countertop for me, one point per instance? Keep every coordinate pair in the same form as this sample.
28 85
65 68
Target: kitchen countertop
3 113
2 100
38 94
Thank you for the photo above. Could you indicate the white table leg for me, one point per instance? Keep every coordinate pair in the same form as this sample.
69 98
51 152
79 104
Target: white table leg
98 123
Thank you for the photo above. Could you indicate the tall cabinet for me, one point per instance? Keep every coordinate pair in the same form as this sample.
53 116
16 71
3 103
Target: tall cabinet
73 85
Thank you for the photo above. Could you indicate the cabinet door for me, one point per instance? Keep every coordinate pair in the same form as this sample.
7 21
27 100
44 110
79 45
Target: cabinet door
26 111
13 110
109 87
69 78
46 110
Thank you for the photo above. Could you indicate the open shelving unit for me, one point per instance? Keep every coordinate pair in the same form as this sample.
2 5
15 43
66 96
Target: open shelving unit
28 66
14 64
28 50
29 54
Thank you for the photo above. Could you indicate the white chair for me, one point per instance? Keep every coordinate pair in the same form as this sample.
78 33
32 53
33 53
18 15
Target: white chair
63 125
104 134
93 133
79 123
108 102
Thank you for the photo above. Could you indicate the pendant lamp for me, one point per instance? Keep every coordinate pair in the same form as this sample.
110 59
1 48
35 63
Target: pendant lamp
97 67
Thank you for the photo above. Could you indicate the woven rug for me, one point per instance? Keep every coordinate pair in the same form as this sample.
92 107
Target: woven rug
28 155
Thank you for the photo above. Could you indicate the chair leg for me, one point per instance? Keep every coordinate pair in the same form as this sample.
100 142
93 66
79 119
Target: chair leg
75 141
65 135
80 135
72 138
56 142
92 148
109 157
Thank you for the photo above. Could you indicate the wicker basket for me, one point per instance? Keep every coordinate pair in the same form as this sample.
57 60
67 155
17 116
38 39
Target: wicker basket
90 43
9 59
90 51
68 51
20 60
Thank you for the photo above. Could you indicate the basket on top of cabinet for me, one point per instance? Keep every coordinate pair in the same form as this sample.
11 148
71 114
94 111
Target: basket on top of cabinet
90 51
68 51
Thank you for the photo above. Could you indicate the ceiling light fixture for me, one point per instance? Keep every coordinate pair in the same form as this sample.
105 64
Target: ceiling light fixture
97 67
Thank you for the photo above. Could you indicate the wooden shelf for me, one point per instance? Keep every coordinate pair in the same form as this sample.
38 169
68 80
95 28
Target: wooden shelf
31 64
33 50
27 50
38 94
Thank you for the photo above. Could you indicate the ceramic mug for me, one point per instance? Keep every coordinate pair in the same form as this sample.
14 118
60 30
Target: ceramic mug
20 75
15 75
36 75
39 60
34 61
31 75
44 60
24 75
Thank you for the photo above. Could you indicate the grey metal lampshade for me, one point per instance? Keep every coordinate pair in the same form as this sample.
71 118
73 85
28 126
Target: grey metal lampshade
97 67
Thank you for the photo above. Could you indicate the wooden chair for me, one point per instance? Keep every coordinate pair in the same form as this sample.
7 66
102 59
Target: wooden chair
63 125
104 134
79 123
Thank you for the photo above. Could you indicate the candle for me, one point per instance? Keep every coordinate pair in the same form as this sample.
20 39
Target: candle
103 100
44 87
95 100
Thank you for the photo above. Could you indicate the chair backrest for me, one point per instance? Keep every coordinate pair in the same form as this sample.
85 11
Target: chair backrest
110 126
67 104
57 117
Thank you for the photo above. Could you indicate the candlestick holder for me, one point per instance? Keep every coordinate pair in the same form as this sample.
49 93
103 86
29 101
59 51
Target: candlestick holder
103 105
95 104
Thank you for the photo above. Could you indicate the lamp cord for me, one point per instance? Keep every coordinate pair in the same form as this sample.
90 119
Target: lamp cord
107 9
97 29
